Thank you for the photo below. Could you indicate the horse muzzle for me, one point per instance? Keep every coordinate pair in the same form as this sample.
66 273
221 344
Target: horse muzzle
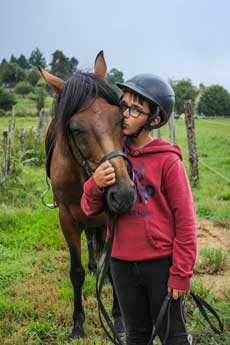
120 199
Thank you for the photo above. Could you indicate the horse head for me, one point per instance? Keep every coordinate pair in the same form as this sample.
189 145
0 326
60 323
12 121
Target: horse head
91 124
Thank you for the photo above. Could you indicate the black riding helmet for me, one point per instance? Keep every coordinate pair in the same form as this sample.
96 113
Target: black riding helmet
156 91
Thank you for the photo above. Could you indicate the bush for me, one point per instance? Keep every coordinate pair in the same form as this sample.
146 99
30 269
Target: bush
23 88
215 101
2 113
33 76
7 99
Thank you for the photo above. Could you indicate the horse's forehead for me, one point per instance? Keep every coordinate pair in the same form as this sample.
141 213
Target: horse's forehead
100 108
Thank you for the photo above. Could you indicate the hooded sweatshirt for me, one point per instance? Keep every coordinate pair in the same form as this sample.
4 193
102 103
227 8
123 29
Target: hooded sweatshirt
162 221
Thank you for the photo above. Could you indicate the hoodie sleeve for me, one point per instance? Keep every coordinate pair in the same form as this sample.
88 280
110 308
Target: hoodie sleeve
92 198
180 198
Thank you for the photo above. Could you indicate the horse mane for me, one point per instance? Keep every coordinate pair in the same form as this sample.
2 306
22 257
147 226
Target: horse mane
78 94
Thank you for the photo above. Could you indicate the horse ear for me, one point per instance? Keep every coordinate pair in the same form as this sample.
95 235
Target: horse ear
100 67
56 83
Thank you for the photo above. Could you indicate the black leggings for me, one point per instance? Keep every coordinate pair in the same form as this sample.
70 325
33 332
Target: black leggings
141 288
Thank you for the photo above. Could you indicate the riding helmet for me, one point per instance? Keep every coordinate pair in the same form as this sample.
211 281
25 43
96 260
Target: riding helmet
155 90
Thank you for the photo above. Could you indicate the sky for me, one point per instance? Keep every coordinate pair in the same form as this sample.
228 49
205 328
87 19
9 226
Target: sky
174 39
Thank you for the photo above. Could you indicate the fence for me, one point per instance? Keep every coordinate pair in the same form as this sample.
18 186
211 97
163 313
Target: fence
21 146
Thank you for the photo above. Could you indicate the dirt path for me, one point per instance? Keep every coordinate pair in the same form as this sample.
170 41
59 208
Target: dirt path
215 237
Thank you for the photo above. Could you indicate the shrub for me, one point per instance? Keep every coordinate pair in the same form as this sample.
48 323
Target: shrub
215 101
2 113
7 99
23 88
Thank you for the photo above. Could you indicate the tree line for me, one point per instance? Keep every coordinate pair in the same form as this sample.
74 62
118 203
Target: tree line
20 76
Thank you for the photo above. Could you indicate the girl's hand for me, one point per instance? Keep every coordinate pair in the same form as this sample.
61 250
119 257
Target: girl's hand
104 175
177 293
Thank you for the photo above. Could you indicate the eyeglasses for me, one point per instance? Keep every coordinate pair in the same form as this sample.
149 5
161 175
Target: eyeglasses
134 111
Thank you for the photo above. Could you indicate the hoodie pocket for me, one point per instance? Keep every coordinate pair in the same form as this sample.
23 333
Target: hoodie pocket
131 239
159 237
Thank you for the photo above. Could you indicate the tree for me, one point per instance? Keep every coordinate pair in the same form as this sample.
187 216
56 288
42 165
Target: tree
37 58
73 65
7 99
33 76
115 76
3 62
60 65
11 73
13 59
23 88
214 101
22 62
184 90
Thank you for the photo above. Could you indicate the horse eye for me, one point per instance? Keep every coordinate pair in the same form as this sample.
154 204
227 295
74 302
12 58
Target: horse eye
77 130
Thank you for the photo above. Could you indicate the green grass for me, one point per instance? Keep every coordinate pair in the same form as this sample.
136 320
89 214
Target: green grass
212 261
35 290
27 104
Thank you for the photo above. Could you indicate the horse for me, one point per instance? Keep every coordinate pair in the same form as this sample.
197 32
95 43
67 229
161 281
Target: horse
86 129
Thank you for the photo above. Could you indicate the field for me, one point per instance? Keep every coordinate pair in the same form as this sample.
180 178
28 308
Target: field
35 290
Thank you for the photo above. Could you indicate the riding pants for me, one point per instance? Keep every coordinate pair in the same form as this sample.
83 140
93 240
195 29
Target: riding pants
141 287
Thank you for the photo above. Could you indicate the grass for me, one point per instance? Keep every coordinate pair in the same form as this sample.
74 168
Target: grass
27 104
35 290
211 261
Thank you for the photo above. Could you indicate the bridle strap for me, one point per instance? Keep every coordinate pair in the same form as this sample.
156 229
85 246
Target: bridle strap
83 162
166 311
102 270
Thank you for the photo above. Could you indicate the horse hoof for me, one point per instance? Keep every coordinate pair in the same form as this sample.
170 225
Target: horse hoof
77 332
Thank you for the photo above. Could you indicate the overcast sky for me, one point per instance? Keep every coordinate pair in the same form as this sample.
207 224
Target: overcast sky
172 38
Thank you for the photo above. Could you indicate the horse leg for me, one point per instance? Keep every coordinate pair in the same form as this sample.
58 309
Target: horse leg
72 234
92 265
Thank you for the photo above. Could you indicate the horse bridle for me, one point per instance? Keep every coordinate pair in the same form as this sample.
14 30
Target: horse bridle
84 162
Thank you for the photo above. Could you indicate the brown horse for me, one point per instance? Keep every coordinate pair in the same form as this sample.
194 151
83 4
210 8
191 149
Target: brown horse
86 128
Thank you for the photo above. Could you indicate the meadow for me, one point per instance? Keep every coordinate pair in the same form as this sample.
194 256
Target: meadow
35 290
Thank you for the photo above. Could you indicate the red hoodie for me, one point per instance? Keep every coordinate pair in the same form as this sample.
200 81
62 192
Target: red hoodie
163 223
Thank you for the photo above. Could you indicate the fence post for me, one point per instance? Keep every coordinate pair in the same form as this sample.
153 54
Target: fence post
23 140
10 144
172 129
190 126
5 154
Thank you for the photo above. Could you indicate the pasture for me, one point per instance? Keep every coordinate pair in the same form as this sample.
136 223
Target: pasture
35 290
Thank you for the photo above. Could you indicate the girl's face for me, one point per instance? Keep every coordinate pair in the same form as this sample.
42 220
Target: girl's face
132 124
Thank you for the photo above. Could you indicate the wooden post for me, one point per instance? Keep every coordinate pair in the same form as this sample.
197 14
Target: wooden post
5 154
45 118
10 145
23 140
190 126
172 129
